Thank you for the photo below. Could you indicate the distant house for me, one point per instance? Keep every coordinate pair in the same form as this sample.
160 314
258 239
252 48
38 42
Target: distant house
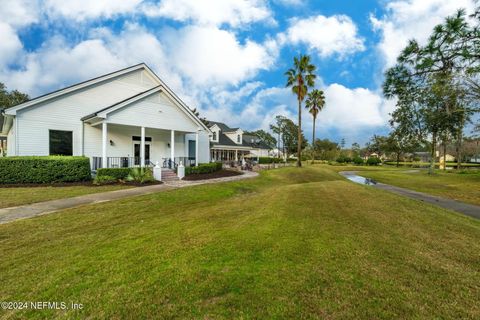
422 156
126 118
448 157
232 144
475 159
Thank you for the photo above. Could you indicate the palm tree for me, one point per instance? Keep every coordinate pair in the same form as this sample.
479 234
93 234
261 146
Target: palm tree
300 78
315 103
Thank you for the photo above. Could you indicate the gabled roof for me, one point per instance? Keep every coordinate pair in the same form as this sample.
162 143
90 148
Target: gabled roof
46 97
72 88
221 125
248 141
124 102
254 142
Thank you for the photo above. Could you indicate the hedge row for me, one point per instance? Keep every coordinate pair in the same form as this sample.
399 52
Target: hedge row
268 160
117 173
204 168
49 169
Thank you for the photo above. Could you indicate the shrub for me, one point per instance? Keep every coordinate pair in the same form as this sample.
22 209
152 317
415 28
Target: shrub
45 169
140 175
344 159
117 173
373 161
358 160
104 179
268 160
204 168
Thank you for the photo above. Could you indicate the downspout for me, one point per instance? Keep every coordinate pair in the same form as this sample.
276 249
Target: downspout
17 151
82 138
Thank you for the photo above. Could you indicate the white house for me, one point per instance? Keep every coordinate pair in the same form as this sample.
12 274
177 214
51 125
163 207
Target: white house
232 144
125 118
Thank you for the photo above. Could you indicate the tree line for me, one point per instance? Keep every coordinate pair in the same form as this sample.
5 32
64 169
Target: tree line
436 87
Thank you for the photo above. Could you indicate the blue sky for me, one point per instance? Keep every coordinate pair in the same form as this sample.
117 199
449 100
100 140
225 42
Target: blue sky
224 57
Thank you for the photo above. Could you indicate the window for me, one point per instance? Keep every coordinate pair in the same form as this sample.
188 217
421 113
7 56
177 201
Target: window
138 138
214 136
238 138
61 143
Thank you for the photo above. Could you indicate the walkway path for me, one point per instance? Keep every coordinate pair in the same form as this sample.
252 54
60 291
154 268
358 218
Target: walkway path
462 207
41 208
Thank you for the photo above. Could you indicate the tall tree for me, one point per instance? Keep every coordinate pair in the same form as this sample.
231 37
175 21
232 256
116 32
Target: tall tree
315 103
277 128
290 137
432 83
264 136
300 78
10 98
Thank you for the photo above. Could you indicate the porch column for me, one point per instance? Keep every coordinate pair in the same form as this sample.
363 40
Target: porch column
196 148
172 146
142 147
104 144
236 155
82 138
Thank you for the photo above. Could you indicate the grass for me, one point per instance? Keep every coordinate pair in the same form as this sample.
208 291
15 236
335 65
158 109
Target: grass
11 197
293 243
427 164
463 186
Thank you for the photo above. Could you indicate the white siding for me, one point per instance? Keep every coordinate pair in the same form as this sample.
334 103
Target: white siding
64 113
233 136
121 136
11 145
156 111
203 146
260 152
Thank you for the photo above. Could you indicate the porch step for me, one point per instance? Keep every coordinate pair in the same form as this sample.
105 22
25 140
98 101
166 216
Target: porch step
169 175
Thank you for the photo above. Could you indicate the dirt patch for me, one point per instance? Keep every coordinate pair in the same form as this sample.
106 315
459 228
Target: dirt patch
76 184
213 175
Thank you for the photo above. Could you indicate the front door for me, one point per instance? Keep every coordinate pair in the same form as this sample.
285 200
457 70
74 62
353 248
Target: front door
137 155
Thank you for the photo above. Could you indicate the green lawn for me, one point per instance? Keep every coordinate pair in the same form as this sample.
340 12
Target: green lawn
10 197
458 186
293 243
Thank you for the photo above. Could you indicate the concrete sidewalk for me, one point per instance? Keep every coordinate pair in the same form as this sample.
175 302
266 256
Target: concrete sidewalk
41 208
461 207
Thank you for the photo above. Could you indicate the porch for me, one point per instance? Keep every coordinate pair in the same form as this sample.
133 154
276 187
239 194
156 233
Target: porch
124 146
132 162
229 155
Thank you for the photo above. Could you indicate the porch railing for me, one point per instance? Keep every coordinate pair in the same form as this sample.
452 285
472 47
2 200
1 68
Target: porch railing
173 163
117 162
130 162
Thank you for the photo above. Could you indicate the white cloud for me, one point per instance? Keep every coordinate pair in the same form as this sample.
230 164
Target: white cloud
353 108
211 12
79 10
408 19
208 55
58 63
10 44
325 35
20 13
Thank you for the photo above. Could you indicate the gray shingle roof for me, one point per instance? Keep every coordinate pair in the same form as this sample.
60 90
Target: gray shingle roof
249 141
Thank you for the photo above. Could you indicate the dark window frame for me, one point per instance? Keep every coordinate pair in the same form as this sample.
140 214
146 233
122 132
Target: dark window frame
61 149
139 138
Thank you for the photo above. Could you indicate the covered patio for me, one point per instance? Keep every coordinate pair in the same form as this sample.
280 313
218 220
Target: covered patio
125 146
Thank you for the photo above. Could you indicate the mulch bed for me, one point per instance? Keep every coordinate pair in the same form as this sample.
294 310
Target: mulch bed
213 175
75 184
